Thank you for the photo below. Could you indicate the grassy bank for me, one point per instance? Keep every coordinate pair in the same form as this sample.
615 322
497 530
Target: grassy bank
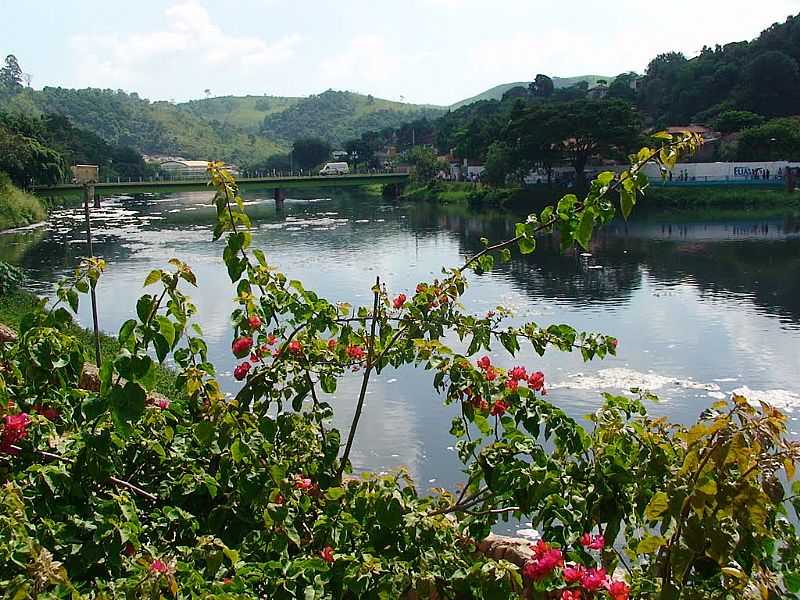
15 305
18 208
721 197
455 192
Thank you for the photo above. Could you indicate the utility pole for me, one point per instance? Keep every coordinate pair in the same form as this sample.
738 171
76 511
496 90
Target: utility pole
87 175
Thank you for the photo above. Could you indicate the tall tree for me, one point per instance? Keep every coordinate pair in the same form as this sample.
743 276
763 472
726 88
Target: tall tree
11 74
310 152
542 86
771 84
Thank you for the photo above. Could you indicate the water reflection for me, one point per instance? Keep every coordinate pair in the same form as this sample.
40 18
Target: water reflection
710 301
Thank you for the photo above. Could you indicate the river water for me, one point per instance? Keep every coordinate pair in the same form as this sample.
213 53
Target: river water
702 305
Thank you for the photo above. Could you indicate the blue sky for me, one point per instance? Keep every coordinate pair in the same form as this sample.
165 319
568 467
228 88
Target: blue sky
425 51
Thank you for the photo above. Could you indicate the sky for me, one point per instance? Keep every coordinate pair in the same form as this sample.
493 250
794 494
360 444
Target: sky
421 51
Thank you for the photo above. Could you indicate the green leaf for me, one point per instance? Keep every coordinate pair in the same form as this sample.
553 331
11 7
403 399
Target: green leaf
167 329
650 544
127 405
334 493
657 506
237 451
584 233
527 245
153 277
627 199
204 431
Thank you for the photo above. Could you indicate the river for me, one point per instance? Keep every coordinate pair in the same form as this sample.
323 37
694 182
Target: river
702 304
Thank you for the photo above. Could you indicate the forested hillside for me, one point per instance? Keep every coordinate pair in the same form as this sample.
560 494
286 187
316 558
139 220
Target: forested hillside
497 92
247 112
338 116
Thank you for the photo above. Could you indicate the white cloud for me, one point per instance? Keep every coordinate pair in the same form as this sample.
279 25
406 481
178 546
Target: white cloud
191 49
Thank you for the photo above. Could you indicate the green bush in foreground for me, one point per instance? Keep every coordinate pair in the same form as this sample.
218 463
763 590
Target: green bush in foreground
109 496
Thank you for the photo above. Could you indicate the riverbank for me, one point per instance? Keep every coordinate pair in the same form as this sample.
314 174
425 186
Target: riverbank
18 208
656 197
16 304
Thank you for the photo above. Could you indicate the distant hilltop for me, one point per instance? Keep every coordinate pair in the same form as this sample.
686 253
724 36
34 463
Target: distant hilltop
496 93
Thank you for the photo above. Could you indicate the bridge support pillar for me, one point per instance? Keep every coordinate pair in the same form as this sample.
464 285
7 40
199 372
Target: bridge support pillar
280 198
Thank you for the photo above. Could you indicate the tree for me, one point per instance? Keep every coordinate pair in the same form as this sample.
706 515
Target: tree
622 88
500 164
542 86
771 84
424 162
11 74
778 139
731 121
310 152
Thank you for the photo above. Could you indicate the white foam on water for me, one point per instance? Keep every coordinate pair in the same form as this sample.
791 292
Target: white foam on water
781 399
619 378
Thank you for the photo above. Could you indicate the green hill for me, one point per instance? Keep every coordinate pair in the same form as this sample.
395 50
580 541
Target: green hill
246 112
496 93
340 116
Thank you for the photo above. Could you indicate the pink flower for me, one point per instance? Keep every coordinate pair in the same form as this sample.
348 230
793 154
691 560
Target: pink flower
499 408
227 581
593 542
491 374
573 574
295 347
16 429
618 590
355 352
541 567
162 403
331 344
241 346
614 343
241 371
279 499
48 413
484 363
512 385
536 380
399 301
593 579
571 595
303 483
518 373
159 566
254 321
490 314
327 554
540 548
271 340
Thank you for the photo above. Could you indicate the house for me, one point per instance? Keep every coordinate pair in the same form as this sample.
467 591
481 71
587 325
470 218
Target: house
340 155
386 156
599 91
709 151
189 169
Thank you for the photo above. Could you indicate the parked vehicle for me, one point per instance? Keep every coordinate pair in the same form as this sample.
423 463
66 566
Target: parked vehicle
335 168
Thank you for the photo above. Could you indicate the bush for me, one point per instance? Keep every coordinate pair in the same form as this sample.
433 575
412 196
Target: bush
18 208
11 277
109 494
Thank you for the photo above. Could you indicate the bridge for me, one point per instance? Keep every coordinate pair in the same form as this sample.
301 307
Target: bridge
280 184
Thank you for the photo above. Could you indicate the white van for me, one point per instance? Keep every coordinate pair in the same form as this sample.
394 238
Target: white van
335 168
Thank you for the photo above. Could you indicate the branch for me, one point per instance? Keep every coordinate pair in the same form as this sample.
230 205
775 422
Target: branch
121 483
365 380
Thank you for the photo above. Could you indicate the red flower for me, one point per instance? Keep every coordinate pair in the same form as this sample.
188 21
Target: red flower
573 574
541 567
327 554
241 346
491 374
128 549
159 566
16 428
303 483
399 301
254 321
162 403
332 344
483 406
295 347
571 595
490 314
614 343
271 340
356 352
518 373
618 590
49 413
279 499
512 385
593 579
593 542
241 371
540 548
499 408
226 581
536 380
484 363
421 287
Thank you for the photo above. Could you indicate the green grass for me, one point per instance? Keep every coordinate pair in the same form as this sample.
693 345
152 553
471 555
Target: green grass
18 208
719 197
15 305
